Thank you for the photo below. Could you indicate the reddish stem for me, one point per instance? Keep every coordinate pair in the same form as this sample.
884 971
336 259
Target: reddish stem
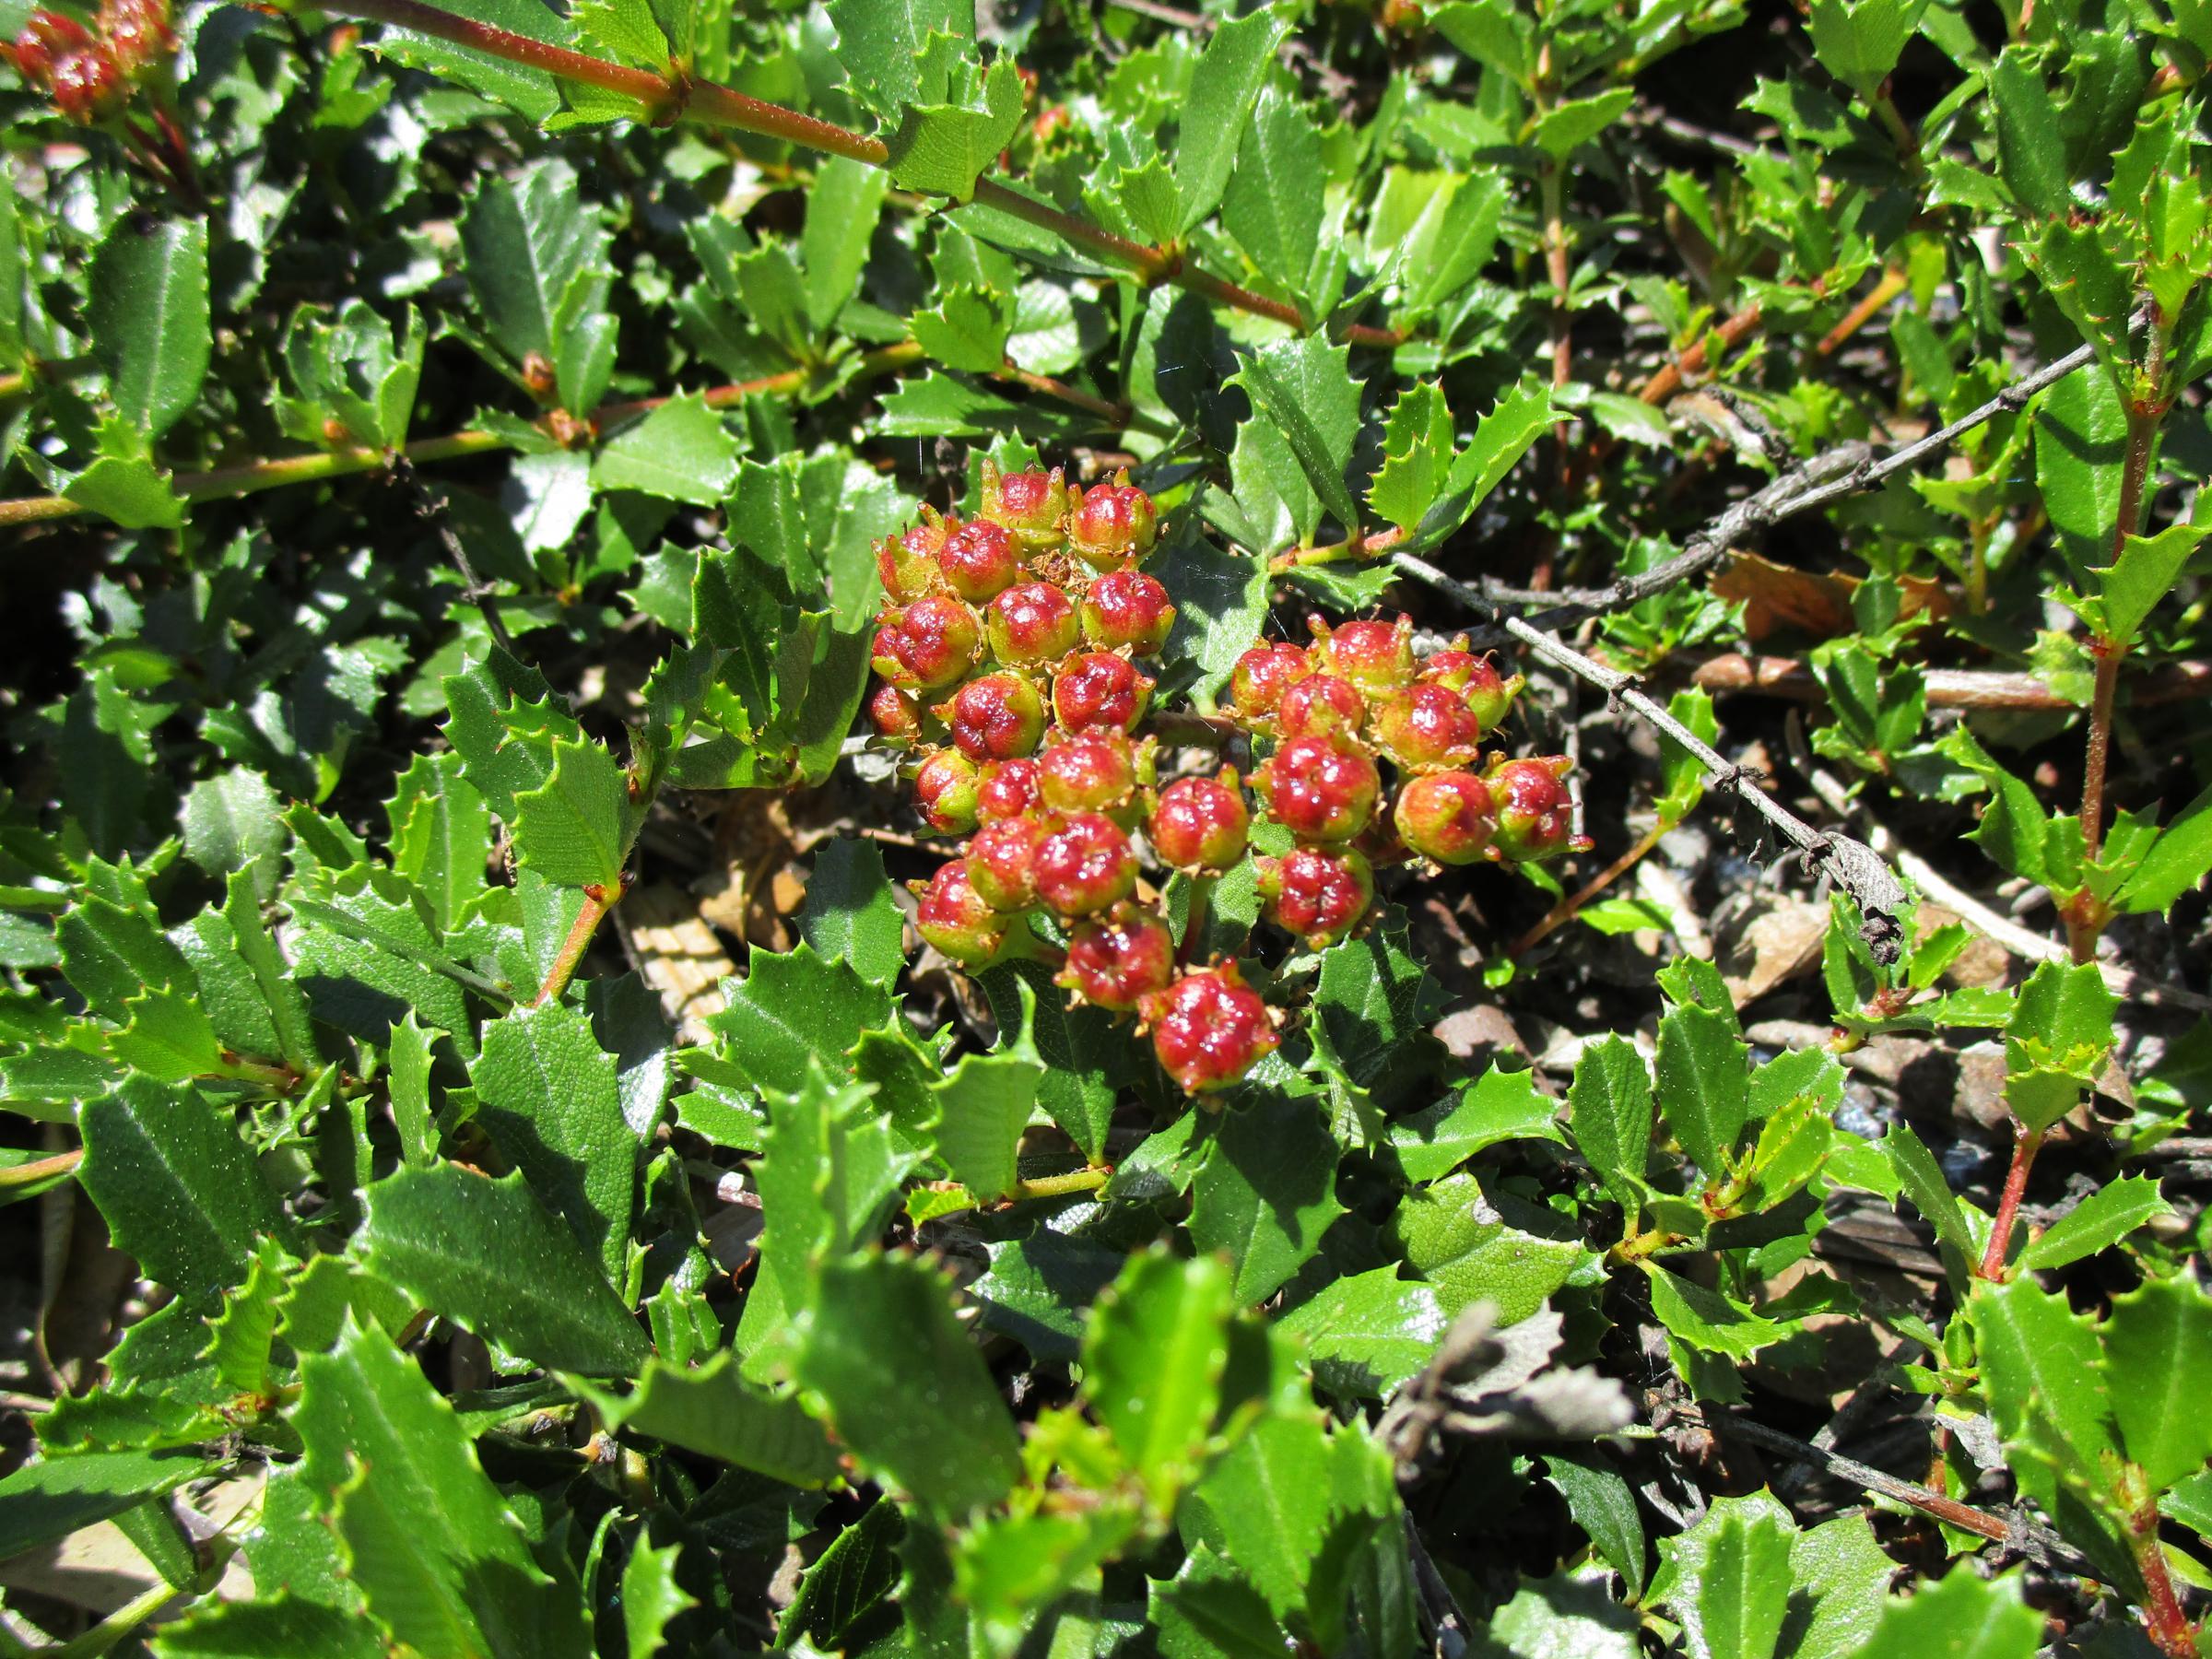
2025 1143
2163 1620
1565 909
598 901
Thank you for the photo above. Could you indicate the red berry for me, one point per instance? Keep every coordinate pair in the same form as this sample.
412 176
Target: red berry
1321 896
1209 1028
1263 673
1088 772
88 86
997 717
936 640
1427 727
137 32
1447 817
1008 789
1536 814
908 563
1086 865
894 715
1118 963
885 656
1375 656
1320 789
944 790
1127 608
1033 622
1001 863
1200 824
1319 704
1113 525
1487 694
1100 689
978 561
50 38
953 917
1029 504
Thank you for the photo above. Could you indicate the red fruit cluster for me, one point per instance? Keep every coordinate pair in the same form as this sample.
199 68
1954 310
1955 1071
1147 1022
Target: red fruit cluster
1008 660
1343 706
89 73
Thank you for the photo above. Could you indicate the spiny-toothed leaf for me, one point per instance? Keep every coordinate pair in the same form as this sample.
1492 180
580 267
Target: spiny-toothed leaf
230 822
843 203
43 1503
710 1410
1416 456
536 257
1152 1364
1604 1505
941 147
2143 574
1038 1288
1964 1617
877 44
1502 438
439 1558
177 1186
151 327
280 1622
1560 130
2080 434
983 1106
1609 1113
652 1599
547 1096
575 828
1860 43
1473 1247
441 833
966 330
850 916
793 1008
959 1454
2057 1041
681 453
1498 1106
1367 1332
243 1335
1266 1192
2175 863
1224 84
1264 1504
1273 203
1730 1583
2103 1218
486 1255
1707 1320
2031 144
1704 1092
1305 389
1376 1002
2158 1367
828 1176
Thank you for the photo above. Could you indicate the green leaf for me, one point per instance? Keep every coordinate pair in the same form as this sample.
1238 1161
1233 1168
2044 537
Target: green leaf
1559 1615
547 1096
2157 1366
681 453
441 833
1731 1582
2049 1398
1224 84
1964 1617
1084 1051
1922 1179
1305 389
710 1409
792 1007
1368 1332
2031 144
941 147
230 822
246 1331
1502 438
958 1452
1416 456
1704 1091
1566 127
827 1178
2175 863
485 1254
1273 203
43 1503
1152 1364
439 1559
2057 1041
537 259
1609 1114
1860 43
1373 1004
1498 1106
1473 1247
277 1624
177 1186
652 1599
1266 1192
2080 438
879 42
1220 606
2143 574
966 330
850 914
1604 1505
151 328
853 1575
1264 1505
1707 1320
2103 1218
983 1106
1038 1288
844 204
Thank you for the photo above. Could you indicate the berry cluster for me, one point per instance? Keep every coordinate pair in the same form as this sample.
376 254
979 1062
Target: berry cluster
1007 655
89 73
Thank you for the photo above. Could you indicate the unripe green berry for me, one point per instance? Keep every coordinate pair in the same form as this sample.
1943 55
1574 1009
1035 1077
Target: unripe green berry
1001 861
952 916
1091 771
1031 505
1375 656
1446 816
1428 728
907 562
945 786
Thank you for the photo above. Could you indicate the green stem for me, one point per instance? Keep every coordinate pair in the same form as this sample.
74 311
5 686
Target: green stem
37 1169
2025 1143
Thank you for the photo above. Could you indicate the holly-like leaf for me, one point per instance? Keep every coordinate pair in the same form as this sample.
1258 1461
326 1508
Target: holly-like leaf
1272 203
983 1106
792 1007
1304 388
2099 1221
1266 1192
1704 1091
1416 456
1152 1364
941 147
1730 1583
681 453
2156 1364
1224 86
710 1409
1964 1617
851 915
1502 438
1367 1332
1473 1248
1609 1113
151 325
1498 1106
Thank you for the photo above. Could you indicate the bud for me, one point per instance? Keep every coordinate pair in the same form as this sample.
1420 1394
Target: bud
997 717
1536 814
1086 865
1031 505
953 917
1200 825
1375 656
539 377
1321 896
1001 863
1263 673
1113 525
1427 728
1127 608
1008 790
1030 623
1319 704
1320 789
978 561
936 640
1446 816
1099 689
1209 1028
1091 771
945 786
907 562
1116 963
